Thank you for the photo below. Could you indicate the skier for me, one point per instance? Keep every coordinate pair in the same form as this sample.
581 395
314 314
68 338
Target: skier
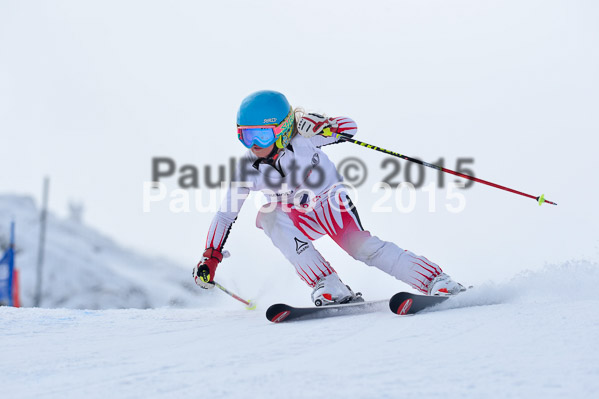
308 201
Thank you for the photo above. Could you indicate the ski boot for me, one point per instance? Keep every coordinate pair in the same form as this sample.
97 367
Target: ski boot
330 290
445 286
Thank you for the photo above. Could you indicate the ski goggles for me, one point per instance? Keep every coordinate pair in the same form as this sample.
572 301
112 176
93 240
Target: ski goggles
265 135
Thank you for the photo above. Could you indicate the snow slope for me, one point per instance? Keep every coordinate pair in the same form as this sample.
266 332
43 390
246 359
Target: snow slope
84 269
534 336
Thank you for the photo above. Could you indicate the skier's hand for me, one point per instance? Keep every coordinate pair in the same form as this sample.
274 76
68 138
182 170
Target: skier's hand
203 273
312 124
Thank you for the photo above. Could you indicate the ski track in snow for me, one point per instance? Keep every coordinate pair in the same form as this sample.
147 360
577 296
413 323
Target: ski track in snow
534 336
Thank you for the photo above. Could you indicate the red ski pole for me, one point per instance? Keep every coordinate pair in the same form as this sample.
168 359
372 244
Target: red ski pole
540 199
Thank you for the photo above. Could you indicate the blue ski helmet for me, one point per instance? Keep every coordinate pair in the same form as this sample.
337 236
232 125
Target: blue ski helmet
268 108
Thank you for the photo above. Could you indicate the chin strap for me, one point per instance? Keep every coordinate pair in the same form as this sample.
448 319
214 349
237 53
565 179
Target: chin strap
273 153
269 159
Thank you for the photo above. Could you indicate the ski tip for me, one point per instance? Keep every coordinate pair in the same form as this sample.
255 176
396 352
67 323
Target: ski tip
279 317
400 303
278 312
404 307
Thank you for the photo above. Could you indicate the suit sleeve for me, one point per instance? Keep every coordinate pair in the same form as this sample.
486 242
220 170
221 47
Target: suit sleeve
222 222
225 217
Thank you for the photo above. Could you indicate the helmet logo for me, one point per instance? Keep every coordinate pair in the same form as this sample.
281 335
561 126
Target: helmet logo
271 120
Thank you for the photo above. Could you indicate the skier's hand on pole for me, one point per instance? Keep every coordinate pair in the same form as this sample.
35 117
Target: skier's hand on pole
312 124
203 273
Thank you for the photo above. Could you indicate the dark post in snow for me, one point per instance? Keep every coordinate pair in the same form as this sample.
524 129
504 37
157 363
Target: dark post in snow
42 242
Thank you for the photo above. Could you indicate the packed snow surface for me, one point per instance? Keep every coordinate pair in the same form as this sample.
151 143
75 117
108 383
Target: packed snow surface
535 336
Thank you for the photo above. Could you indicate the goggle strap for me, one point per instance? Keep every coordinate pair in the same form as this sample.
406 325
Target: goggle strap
279 142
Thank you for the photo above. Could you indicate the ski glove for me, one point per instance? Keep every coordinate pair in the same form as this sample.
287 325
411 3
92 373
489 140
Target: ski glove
312 124
203 273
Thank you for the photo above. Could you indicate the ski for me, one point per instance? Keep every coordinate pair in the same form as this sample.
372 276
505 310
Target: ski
282 312
404 303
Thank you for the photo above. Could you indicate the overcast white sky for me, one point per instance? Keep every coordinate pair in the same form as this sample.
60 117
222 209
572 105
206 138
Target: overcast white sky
91 91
